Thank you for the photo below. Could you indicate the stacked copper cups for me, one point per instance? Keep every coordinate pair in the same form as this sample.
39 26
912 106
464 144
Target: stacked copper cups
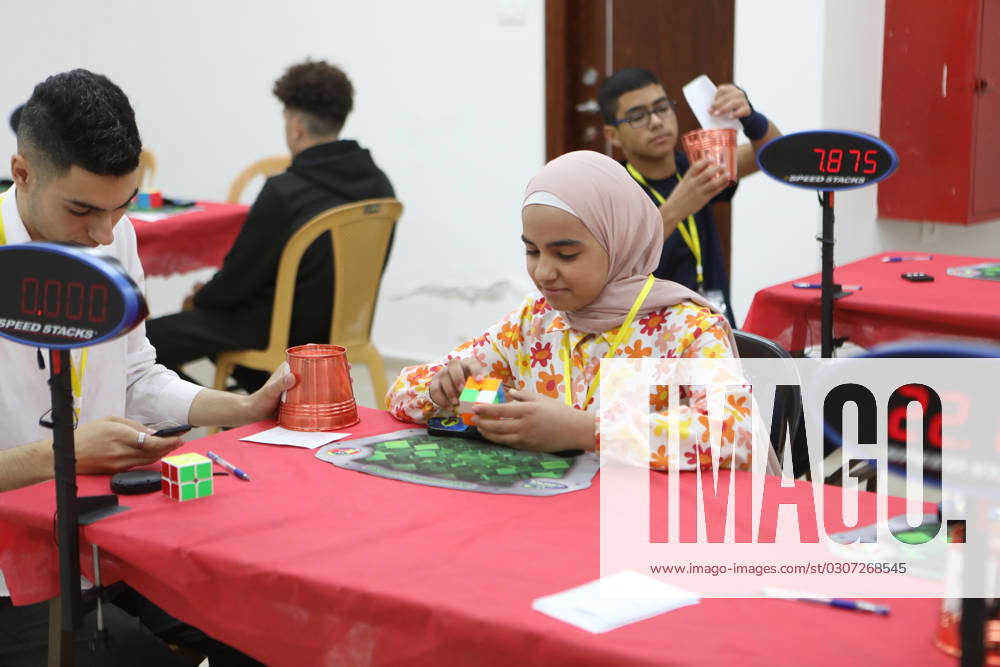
718 146
323 397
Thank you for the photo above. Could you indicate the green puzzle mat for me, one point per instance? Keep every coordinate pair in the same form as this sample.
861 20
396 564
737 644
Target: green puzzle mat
456 463
989 271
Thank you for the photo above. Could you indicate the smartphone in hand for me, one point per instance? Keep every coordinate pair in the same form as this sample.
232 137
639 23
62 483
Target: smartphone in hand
168 431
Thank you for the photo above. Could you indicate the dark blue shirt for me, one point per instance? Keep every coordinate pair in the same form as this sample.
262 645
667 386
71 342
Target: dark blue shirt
676 260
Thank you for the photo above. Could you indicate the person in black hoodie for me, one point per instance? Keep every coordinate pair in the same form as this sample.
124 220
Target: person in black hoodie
233 310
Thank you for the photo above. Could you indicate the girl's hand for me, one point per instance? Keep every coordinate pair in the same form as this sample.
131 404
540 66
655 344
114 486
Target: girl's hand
446 386
535 422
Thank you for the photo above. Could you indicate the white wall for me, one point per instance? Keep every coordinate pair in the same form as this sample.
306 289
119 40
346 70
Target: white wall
819 65
778 61
449 97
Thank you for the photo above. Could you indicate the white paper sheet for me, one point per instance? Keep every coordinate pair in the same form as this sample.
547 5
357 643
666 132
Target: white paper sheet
611 602
283 436
700 93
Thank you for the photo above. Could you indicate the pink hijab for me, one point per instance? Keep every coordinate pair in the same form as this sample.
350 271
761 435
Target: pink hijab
628 226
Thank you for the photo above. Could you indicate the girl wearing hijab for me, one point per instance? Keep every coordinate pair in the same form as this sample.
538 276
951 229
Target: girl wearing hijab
592 240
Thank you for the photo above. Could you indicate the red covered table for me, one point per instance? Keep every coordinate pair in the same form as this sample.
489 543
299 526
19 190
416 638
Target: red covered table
310 564
188 240
889 308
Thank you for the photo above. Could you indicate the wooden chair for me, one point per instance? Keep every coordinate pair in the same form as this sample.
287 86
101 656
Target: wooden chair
269 166
147 169
360 233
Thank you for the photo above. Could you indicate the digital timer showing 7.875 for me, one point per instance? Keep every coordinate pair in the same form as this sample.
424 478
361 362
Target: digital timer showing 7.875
832 160
827 159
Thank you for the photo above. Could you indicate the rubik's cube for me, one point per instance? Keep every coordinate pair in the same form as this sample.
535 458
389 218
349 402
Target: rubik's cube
488 390
186 476
148 200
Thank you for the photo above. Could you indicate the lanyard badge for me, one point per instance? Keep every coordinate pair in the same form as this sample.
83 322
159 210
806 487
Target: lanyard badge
688 233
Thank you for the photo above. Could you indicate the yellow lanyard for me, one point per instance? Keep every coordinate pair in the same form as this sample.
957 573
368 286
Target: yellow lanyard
690 234
622 333
75 375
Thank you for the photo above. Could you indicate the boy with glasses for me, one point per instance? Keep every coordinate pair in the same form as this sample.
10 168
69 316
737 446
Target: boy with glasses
640 120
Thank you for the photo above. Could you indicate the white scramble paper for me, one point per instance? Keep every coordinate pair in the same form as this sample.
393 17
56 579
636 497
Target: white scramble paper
611 602
283 436
700 93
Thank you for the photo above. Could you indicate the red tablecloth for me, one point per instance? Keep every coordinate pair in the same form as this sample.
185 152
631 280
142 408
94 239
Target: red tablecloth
188 241
888 309
310 564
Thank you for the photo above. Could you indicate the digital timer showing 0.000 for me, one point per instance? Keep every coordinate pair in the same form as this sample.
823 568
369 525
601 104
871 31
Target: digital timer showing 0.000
63 296
71 301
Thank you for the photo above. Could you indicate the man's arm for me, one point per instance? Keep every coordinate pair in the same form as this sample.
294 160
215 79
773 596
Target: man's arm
101 446
220 408
24 465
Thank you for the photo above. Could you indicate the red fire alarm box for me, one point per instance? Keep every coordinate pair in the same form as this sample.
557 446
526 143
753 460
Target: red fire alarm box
941 110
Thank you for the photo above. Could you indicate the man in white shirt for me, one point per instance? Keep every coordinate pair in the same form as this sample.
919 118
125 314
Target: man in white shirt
74 174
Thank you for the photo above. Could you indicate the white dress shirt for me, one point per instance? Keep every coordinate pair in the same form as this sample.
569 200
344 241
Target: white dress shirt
121 378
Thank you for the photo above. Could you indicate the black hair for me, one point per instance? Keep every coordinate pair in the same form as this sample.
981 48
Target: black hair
319 90
15 117
80 118
621 82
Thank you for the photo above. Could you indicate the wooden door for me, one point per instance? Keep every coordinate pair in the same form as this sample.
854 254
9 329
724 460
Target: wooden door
587 40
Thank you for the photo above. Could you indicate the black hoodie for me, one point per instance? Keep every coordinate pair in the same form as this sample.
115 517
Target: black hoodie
321 177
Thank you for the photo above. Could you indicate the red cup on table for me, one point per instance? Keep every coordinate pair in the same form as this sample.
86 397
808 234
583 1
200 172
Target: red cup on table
323 397
718 146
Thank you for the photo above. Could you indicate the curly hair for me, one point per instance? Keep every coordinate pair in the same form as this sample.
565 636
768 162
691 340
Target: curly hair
80 118
320 91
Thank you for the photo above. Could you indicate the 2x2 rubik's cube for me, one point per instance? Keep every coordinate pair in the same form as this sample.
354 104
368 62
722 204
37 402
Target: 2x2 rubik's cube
186 476
487 390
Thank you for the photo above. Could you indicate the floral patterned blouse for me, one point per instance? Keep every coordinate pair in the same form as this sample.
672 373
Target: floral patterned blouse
523 351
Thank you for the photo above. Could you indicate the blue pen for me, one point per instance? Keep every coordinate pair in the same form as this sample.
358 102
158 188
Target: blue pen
228 466
819 286
843 603
915 258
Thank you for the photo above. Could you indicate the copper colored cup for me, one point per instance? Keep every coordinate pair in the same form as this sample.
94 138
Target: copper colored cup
719 146
323 397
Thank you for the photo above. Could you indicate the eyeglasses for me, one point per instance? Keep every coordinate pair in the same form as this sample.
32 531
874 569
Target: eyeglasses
639 118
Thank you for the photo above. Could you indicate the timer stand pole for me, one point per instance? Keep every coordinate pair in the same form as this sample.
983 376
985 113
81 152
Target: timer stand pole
830 290
70 510
66 508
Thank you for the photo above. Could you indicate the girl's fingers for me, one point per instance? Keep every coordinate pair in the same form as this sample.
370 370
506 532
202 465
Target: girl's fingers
497 427
457 374
474 369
